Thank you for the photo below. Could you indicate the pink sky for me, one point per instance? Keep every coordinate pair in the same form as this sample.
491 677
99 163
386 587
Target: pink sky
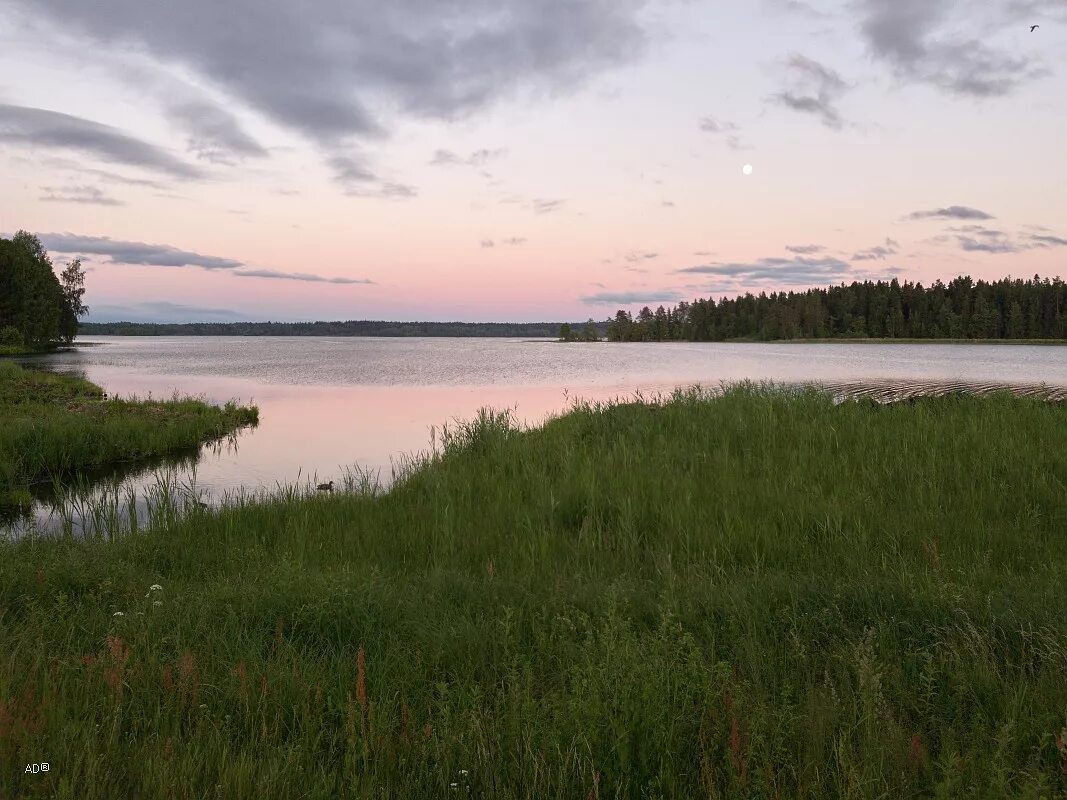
598 148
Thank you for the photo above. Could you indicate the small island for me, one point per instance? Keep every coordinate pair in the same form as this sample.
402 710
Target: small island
54 426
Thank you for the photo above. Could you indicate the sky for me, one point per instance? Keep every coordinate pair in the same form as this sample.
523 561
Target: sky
527 160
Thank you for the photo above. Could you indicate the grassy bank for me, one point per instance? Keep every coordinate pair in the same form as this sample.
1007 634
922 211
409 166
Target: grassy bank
754 596
53 425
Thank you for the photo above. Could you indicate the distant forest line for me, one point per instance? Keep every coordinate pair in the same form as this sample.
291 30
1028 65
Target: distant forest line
962 309
349 328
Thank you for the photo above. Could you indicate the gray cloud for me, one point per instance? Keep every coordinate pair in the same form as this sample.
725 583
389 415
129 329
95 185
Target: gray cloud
542 206
515 241
798 270
159 311
479 158
37 127
359 180
320 71
75 167
812 89
298 276
976 239
162 255
1048 241
802 249
879 252
87 195
987 245
635 256
138 253
712 125
920 40
214 134
952 212
796 7
488 243
629 298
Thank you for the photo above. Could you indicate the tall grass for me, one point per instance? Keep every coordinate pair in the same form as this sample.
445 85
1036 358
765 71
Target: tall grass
52 426
755 595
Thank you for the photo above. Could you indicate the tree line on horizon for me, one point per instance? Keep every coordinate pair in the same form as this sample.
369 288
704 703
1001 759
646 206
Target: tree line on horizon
38 309
962 309
337 328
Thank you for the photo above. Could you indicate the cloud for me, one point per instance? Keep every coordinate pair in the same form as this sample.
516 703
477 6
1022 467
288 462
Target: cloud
162 255
298 276
159 311
87 195
878 253
797 7
359 180
635 256
921 41
138 253
976 239
972 245
76 167
803 249
214 134
630 298
668 204
1048 241
40 128
812 89
488 243
542 206
798 270
952 212
515 241
320 68
712 125
479 158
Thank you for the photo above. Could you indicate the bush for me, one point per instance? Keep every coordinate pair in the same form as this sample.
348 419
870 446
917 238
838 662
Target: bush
10 337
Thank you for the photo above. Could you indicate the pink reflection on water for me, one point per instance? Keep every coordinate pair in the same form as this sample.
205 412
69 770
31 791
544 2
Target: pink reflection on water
316 432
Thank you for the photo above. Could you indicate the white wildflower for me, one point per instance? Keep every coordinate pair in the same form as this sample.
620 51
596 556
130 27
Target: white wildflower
118 614
155 587
463 773
157 602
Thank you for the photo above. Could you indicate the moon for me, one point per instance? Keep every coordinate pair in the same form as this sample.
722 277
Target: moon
746 170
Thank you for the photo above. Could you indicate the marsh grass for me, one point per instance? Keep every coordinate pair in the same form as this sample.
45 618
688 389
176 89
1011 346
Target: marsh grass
54 426
760 594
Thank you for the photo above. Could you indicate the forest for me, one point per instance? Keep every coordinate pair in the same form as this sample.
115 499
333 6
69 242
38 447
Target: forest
347 328
38 309
962 309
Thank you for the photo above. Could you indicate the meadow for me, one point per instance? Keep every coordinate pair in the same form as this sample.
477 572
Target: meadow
54 425
754 595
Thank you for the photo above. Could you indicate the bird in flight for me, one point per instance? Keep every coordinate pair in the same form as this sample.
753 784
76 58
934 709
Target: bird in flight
1034 27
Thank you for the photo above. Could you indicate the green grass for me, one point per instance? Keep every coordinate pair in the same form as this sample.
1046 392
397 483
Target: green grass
52 426
761 595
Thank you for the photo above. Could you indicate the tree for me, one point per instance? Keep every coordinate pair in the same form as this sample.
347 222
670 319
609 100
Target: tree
31 298
589 332
72 280
566 334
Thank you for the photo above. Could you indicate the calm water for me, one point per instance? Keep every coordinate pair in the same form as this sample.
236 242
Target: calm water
331 403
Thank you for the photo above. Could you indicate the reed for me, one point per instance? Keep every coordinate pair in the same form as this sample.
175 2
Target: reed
759 594
54 426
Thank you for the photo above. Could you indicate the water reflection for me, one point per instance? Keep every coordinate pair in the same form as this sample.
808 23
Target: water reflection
327 405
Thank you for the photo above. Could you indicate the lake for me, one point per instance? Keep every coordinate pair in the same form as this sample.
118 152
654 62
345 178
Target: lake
331 403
